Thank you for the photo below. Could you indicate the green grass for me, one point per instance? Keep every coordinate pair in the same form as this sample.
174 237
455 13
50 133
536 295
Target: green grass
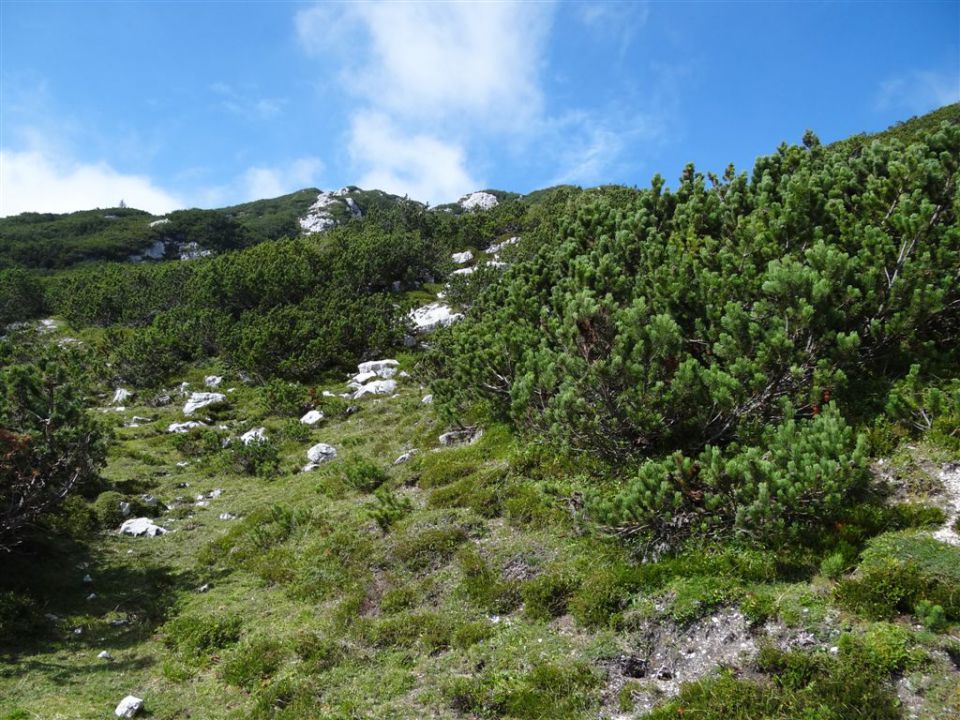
456 585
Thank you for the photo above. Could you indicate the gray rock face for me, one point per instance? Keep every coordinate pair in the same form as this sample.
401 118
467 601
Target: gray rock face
497 247
128 707
462 257
141 527
212 381
201 400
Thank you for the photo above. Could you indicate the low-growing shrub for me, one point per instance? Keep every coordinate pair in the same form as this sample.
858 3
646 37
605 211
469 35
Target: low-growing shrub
363 475
484 585
252 662
897 571
388 508
258 457
547 595
197 635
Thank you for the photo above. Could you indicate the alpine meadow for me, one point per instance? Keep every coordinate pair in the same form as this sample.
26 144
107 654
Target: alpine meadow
686 450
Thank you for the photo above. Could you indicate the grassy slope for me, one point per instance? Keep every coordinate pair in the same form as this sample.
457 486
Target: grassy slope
447 614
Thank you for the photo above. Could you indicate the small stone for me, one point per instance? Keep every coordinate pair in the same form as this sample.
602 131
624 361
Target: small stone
104 655
203 588
405 457
87 579
52 618
227 516
129 707
91 596
312 417
78 631
212 381
427 400
255 435
142 526
201 400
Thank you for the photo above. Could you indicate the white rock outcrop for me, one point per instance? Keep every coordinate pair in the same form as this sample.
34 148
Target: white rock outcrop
201 400
255 435
141 527
312 417
128 707
435 315
381 368
405 457
462 257
120 396
184 426
427 399
497 247
212 381
361 378
478 201
376 387
464 271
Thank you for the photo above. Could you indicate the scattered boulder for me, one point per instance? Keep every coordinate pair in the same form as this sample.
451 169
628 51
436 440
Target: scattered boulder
141 527
319 454
104 655
405 457
312 417
227 516
201 400
427 399
435 315
461 437
212 381
464 271
461 258
120 396
129 707
256 435
360 378
380 368
377 387
184 426
137 421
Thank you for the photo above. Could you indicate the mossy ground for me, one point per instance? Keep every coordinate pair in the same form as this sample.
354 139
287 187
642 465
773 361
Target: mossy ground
463 583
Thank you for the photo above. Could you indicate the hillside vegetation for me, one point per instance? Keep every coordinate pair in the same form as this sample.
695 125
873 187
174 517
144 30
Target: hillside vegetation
688 452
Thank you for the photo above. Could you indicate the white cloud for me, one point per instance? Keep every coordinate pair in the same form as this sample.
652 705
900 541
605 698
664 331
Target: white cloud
619 22
417 165
431 78
919 91
34 181
268 182
437 62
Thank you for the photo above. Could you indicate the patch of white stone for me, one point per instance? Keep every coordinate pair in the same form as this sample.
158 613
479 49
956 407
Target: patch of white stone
201 400
319 454
141 527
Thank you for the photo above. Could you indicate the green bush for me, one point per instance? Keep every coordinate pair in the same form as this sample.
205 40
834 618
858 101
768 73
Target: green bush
484 585
388 508
802 477
363 475
897 571
258 457
196 636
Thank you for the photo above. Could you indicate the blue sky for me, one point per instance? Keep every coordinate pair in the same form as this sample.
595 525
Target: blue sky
179 104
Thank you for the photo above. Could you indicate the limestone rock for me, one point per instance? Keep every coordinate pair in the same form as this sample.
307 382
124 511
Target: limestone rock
129 707
478 201
141 527
427 399
461 437
201 400
312 417
380 368
319 454
405 457
464 271
497 247
376 387
256 435
212 381
184 426
461 258
120 396
435 315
